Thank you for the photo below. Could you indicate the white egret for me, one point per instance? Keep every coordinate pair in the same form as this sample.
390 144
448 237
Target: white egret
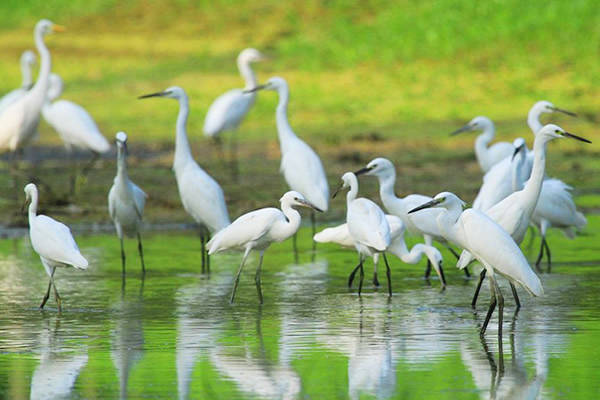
229 109
257 229
300 165
368 227
53 242
340 235
126 202
73 123
28 59
514 213
487 156
489 243
19 120
200 194
422 224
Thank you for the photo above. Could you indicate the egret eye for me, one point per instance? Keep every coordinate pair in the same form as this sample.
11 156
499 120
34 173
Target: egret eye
557 131
373 166
295 198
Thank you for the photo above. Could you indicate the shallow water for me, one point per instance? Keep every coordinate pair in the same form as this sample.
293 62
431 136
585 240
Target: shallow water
175 335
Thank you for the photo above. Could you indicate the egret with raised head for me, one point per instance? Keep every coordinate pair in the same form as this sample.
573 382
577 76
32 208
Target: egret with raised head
27 62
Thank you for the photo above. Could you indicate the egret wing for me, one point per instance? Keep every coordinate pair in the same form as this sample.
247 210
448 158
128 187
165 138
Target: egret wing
53 240
227 111
139 197
248 228
367 224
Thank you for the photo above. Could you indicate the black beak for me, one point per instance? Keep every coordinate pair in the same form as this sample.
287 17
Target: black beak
337 190
517 149
567 134
255 88
429 204
560 110
362 171
309 205
23 206
157 94
460 130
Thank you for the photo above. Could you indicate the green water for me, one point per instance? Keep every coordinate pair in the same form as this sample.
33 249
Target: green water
175 335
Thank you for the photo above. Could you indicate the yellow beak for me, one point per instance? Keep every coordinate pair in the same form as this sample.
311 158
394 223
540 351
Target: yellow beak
58 28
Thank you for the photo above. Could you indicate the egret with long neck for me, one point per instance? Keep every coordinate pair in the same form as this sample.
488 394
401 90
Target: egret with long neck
27 61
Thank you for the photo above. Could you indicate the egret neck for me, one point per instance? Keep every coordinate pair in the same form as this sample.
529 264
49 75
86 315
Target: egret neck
286 229
246 71
482 142
447 219
183 153
533 120
284 130
27 73
38 92
533 186
386 188
33 205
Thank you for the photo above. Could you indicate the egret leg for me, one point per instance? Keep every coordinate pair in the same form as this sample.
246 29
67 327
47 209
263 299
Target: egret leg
388 272
257 277
500 307
351 277
122 256
141 251
540 255
441 275
489 312
515 295
478 288
86 170
548 256
56 296
233 158
237 275
314 229
47 295
362 277
375 264
295 244
428 270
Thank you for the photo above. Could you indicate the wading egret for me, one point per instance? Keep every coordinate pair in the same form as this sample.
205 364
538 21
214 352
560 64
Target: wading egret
20 119
229 109
489 243
126 202
422 224
257 229
73 124
300 165
514 213
28 59
53 242
200 194
486 155
368 228
340 235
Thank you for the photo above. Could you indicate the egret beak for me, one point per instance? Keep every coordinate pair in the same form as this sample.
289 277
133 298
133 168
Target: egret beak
58 28
306 203
560 110
337 190
465 128
517 150
255 89
24 205
157 94
570 135
362 171
429 204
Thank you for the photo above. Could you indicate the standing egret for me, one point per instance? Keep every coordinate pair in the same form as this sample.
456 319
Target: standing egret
341 235
368 227
229 109
53 242
73 124
300 165
19 120
126 202
489 243
539 108
257 229
514 213
200 194
27 61
486 155
422 224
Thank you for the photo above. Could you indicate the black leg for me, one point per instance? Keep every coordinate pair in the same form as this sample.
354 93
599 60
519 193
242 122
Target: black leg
540 255
122 257
442 276
478 288
314 229
56 296
203 249
141 251
237 275
351 277
362 277
295 244
548 256
500 309
375 279
388 272
47 295
515 295
454 253
489 312
467 272
257 278
428 270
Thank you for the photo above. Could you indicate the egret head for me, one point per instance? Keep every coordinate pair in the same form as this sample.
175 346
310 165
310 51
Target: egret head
293 198
348 180
44 27
519 145
121 140
28 58
381 167
55 87
552 131
250 55
275 83
476 124
173 92
444 200
30 190
544 106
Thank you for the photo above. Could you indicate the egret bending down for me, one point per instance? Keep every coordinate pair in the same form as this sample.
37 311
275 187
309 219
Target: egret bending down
200 194
256 230
340 235
53 242
126 202
28 59
368 227
489 243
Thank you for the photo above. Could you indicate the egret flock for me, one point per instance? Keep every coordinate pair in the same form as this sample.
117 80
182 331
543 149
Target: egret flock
515 193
